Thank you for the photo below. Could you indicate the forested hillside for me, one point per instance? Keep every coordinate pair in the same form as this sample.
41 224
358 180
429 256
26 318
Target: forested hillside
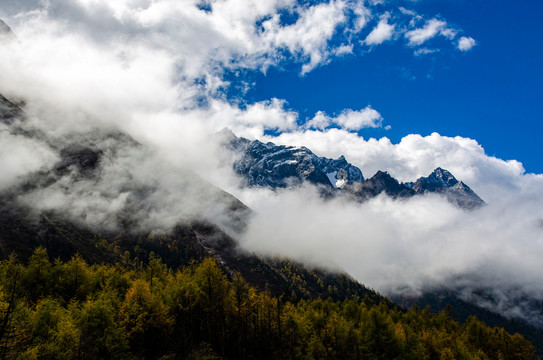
51 309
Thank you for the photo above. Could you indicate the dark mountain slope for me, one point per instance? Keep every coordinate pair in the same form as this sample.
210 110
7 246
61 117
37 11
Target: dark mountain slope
379 183
22 231
83 164
92 169
9 111
460 309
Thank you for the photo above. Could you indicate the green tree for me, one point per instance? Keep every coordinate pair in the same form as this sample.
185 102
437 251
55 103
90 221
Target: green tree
145 319
100 335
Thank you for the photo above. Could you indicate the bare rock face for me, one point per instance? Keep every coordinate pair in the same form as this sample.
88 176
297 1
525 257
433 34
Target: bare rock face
279 166
443 182
379 183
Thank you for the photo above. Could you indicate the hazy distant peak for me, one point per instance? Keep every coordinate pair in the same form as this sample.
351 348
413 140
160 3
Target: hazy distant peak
5 32
9 111
4 28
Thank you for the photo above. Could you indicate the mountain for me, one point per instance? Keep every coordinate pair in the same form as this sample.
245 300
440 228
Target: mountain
443 182
279 166
92 168
8 111
5 32
379 183
462 309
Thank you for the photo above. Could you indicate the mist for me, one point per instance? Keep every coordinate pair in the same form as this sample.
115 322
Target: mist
145 87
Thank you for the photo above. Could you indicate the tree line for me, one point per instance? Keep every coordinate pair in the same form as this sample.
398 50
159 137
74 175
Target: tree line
51 309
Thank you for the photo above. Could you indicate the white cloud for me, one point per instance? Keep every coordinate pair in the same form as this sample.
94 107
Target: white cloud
381 33
235 34
362 15
394 245
343 50
252 121
407 12
348 119
424 51
466 43
21 156
309 36
415 156
356 120
319 121
432 28
401 245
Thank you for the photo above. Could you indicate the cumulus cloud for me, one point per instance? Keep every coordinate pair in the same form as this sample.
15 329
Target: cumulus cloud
310 34
466 43
252 121
348 119
381 33
199 39
362 14
431 29
356 120
415 156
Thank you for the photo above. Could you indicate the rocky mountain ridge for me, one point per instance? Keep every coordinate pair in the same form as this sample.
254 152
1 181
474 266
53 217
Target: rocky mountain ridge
443 182
279 166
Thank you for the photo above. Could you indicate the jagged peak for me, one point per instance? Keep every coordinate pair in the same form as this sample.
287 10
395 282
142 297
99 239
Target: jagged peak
442 173
275 166
438 178
383 177
382 174
443 181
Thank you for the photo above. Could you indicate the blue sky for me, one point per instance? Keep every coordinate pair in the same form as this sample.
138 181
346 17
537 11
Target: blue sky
491 93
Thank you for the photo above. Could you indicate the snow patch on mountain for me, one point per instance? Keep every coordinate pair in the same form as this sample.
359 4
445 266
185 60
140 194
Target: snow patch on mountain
280 166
